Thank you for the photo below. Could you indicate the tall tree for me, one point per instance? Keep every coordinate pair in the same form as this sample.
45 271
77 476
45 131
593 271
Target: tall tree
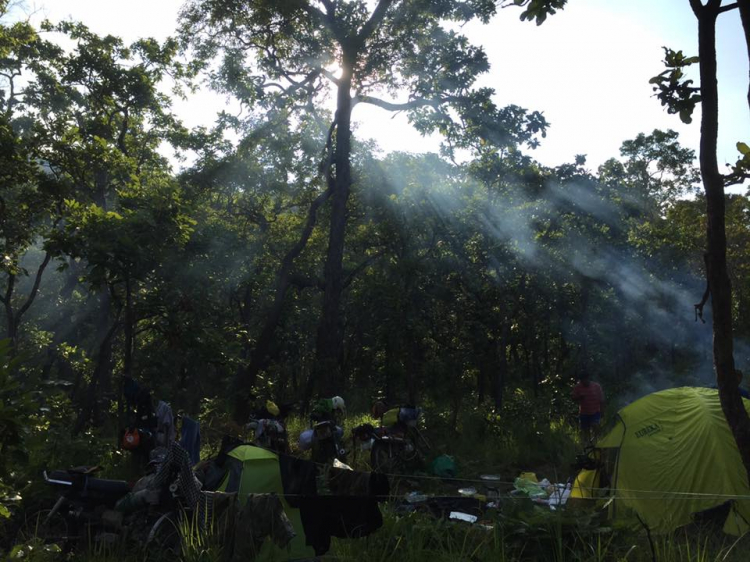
360 50
97 118
680 97
31 198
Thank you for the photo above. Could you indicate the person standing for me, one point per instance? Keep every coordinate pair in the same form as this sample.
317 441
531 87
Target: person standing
590 399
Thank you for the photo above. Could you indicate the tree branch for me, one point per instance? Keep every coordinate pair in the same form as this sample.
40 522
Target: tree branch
391 106
326 20
9 291
735 178
357 270
328 74
371 24
697 7
706 293
35 288
728 7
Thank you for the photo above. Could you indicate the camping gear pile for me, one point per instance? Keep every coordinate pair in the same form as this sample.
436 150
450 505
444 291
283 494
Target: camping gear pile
397 444
268 427
541 492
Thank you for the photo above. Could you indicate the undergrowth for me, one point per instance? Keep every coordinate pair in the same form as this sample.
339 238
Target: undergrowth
481 443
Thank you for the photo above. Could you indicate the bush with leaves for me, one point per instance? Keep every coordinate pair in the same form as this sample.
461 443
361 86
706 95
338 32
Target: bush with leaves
16 406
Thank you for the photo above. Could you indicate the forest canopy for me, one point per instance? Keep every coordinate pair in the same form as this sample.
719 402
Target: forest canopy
276 254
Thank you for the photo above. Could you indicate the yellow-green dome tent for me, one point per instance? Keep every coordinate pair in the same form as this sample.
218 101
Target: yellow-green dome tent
351 513
675 456
253 470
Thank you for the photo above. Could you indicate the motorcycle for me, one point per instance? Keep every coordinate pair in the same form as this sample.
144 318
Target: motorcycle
76 515
84 514
395 446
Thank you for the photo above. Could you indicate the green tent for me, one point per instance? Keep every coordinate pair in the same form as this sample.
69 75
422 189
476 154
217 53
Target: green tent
675 456
252 470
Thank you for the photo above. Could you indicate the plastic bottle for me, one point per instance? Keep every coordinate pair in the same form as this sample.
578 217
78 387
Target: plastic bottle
565 494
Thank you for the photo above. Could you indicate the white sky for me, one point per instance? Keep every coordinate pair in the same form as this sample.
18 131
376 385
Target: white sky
586 68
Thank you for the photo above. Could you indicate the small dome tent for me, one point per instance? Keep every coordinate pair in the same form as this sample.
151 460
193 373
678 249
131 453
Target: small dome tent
673 456
252 470
352 512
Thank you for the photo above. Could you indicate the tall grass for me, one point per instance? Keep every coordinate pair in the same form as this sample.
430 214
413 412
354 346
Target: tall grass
202 541
418 538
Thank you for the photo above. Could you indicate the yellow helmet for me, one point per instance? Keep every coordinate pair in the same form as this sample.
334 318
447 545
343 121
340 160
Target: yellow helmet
272 408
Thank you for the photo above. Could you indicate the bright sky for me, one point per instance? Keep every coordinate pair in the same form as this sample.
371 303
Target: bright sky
587 69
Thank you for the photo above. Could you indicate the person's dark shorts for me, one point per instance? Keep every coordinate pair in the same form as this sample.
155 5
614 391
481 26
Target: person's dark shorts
588 420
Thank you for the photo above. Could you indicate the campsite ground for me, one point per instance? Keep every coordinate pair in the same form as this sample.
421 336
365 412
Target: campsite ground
517 531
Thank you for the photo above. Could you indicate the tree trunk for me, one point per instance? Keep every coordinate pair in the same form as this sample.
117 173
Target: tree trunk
501 371
129 330
744 6
127 367
329 343
245 376
716 260
13 317
413 360
10 316
101 371
488 364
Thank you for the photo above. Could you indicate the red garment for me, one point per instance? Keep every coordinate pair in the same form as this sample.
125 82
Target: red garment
590 398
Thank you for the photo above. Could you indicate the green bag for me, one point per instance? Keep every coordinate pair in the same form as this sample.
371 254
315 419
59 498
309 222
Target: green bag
443 466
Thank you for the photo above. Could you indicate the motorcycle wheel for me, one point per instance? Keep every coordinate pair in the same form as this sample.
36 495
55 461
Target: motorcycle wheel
164 541
39 525
381 457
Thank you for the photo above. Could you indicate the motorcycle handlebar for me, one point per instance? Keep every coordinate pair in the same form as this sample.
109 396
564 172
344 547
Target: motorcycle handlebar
49 480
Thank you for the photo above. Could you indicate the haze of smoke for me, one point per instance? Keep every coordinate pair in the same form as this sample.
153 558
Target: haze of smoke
664 299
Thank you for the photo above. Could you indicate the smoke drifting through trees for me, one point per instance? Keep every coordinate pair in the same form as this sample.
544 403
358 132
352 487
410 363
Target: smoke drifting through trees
518 227
469 281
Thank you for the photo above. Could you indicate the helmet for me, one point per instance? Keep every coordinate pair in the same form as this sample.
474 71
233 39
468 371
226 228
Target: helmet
338 404
272 408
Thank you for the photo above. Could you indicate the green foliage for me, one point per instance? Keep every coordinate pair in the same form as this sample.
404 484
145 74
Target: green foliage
478 290
673 89
740 170
538 10
16 406
35 551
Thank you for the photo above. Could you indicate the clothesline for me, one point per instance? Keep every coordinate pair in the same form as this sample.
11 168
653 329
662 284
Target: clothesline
622 493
